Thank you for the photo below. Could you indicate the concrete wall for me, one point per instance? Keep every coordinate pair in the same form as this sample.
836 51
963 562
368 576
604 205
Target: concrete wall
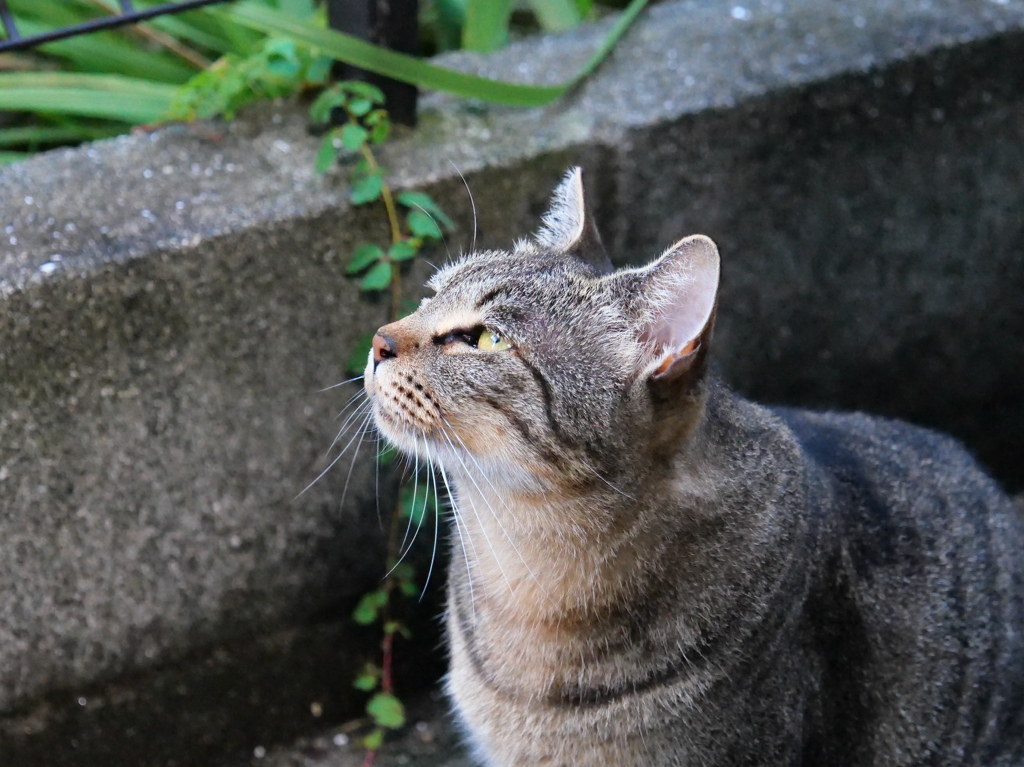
171 304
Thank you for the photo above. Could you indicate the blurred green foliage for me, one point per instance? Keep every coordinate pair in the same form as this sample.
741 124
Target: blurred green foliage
214 60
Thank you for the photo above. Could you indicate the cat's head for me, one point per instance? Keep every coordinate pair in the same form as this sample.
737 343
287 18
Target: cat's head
544 367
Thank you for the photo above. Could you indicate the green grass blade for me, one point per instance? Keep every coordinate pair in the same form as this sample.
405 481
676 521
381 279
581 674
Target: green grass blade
412 70
6 158
486 25
299 8
183 29
450 18
199 27
56 134
556 15
624 22
53 13
107 96
106 52
243 38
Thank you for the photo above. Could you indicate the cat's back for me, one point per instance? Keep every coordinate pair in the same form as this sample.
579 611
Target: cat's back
917 615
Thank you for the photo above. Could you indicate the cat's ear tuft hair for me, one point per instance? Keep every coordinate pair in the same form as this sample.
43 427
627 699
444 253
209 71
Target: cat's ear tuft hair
681 292
568 226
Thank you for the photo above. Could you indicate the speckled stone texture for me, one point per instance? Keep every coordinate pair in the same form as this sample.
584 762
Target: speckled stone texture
172 303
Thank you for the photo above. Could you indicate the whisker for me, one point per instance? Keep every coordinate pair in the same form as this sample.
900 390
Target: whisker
376 482
469 567
362 433
415 535
598 475
476 513
335 386
362 408
444 240
415 490
355 399
483 495
437 527
471 201
358 435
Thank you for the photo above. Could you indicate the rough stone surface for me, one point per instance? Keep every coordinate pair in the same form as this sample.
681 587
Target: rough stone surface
171 304
430 740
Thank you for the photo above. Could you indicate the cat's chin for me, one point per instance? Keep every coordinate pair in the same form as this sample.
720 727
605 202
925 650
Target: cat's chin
486 474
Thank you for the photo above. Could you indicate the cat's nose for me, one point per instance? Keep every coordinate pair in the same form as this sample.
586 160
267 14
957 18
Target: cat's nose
383 348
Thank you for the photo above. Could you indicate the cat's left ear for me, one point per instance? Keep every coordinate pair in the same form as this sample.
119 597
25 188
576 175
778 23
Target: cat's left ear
569 227
680 293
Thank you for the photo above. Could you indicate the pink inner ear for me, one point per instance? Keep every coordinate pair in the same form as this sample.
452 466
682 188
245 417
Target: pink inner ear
671 357
684 284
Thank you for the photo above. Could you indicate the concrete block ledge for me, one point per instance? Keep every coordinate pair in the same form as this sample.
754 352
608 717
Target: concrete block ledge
172 303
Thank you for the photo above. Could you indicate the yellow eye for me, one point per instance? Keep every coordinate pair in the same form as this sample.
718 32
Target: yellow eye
490 341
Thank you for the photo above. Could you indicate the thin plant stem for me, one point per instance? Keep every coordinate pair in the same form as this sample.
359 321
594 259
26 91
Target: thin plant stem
388 641
396 232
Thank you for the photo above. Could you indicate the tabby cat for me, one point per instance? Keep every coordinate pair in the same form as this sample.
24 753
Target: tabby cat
650 570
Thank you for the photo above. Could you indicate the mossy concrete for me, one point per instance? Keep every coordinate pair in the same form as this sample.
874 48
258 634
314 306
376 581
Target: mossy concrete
172 303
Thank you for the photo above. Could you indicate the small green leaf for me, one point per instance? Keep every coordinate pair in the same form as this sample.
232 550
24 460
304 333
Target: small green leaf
320 110
378 278
374 740
486 24
376 116
423 225
327 154
360 353
401 251
353 136
585 7
363 256
365 682
369 607
397 627
380 132
319 70
359 107
424 202
409 589
365 90
386 710
282 59
366 189
388 454
556 15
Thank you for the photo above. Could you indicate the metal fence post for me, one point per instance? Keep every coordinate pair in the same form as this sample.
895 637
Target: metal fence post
391 23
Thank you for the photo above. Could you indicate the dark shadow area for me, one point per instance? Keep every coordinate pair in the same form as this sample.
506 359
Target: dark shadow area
872 236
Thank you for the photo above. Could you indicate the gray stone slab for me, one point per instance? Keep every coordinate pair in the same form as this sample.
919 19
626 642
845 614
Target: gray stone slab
171 303
431 739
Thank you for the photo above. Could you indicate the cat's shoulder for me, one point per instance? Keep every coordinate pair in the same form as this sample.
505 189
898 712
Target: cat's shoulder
890 477
848 441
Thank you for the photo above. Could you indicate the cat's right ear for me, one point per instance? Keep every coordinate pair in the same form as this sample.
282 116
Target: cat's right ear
569 226
679 294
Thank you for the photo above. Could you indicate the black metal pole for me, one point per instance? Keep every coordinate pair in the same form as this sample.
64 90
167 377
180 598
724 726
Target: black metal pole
391 23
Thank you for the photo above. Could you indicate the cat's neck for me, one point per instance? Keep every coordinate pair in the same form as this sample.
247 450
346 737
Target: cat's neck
539 555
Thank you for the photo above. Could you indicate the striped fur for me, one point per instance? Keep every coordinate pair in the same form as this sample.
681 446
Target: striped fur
650 570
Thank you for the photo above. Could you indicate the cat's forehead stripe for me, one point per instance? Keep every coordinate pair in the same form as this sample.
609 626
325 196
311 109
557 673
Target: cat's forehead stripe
459 320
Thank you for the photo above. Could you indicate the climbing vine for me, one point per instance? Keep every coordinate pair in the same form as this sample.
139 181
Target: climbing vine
414 220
